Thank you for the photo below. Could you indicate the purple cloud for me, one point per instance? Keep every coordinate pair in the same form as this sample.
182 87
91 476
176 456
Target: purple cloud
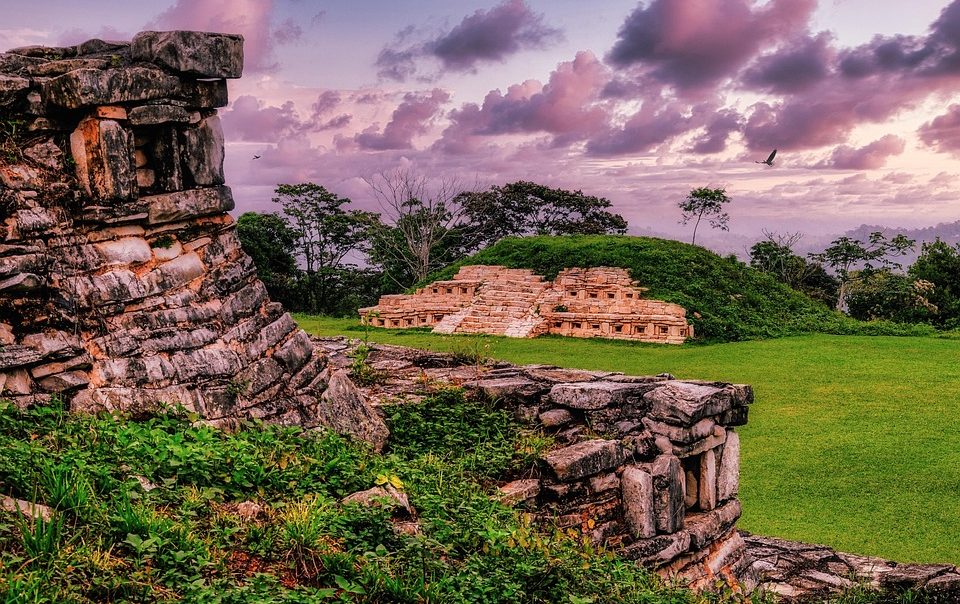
693 45
869 157
943 132
412 117
251 120
717 132
794 67
486 36
652 125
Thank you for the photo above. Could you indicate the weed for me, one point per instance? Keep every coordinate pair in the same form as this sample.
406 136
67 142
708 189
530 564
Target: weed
163 242
360 369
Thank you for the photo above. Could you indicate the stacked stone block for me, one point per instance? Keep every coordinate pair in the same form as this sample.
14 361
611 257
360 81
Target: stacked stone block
122 282
582 302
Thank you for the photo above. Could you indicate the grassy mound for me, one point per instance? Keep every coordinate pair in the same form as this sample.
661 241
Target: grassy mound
726 300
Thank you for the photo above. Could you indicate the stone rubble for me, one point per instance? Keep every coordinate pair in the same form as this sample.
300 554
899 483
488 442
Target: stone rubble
581 302
123 286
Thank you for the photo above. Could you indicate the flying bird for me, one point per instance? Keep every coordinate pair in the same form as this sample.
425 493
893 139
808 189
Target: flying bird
258 157
769 160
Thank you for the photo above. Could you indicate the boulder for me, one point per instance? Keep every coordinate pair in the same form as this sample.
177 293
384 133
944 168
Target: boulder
344 409
202 149
89 87
207 55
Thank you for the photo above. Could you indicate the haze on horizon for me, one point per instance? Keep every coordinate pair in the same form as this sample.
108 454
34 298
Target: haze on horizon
636 102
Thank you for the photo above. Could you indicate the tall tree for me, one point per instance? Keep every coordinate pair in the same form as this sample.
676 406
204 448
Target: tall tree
939 264
420 233
844 254
527 208
776 257
704 202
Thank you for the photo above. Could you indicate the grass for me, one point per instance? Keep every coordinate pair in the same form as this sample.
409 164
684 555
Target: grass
852 442
186 540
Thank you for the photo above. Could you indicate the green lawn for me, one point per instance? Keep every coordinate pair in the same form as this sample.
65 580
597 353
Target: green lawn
854 441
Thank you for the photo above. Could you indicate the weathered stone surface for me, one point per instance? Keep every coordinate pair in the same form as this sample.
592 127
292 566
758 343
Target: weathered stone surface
151 115
344 409
12 89
207 94
381 494
506 388
657 550
53 343
707 483
165 150
555 418
685 402
62 382
102 151
668 491
203 152
707 527
15 381
728 476
20 283
171 207
638 502
45 153
128 250
86 87
202 54
596 395
585 459
19 176
681 434
519 490
27 508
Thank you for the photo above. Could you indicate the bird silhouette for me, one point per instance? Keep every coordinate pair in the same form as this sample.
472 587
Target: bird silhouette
256 157
769 160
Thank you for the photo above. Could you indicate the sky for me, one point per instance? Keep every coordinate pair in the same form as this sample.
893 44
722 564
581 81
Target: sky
638 102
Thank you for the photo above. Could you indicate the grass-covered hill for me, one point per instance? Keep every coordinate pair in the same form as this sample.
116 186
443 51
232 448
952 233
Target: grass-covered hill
726 300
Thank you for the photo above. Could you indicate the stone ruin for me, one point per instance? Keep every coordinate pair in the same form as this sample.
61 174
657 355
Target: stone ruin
122 282
595 302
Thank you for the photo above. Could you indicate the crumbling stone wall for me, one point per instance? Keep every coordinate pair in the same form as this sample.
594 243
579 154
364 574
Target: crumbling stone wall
646 466
582 302
122 281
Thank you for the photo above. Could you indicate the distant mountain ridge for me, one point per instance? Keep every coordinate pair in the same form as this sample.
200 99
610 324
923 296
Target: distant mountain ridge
948 232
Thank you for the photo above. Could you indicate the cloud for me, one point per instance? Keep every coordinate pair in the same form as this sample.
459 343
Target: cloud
251 120
717 132
794 67
411 118
76 35
566 108
694 45
869 157
486 36
652 125
252 18
943 132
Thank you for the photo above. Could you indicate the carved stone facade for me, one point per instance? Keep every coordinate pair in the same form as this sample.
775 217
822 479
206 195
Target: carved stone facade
122 282
581 302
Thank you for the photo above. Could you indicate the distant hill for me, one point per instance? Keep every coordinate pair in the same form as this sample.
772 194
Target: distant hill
726 300
949 232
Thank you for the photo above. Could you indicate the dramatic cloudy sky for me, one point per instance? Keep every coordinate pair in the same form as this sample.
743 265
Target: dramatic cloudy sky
634 101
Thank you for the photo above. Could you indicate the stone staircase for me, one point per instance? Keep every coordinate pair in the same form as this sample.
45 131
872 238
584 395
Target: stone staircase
505 306
451 322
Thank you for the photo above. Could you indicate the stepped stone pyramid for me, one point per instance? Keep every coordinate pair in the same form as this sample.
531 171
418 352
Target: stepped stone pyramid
599 302
122 282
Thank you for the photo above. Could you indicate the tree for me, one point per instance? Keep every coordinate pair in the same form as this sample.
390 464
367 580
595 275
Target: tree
527 208
704 202
883 294
270 242
939 264
776 257
876 253
421 234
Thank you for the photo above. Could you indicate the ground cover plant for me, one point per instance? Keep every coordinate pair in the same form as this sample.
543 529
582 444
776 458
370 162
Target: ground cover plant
726 300
852 441
156 510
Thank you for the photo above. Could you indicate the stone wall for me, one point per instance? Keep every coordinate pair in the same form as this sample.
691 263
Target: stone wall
122 282
581 302
645 466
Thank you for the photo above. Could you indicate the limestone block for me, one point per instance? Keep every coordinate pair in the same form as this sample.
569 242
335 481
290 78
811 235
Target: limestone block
34 220
203 152
27 508
604 482
129 250
506 388
728 478
15 382
42 371
146 178
295 352
19 176
46 153
585 459
206 94
103 153
681 434
519 490
344 409
110 112
707 491
12 88
132 371
20 283
657 550
207 55
691 489
137 401
555 418
269 336
686 402
707 527
165 150
597 395
167 252
244 302
7 338
668 491
86 87
205 363
53 343
172 207
638 497
152 115
61 382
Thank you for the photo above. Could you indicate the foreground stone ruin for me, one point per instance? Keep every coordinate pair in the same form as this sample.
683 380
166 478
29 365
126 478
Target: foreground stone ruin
648 466
581 302
122 281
